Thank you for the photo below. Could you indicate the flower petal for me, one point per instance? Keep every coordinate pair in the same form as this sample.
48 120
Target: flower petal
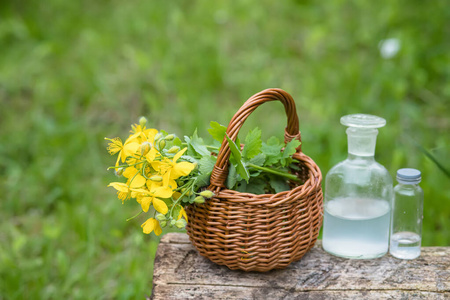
172 184
182 169
121 187
182 213
166 178
160 166
176 195
160 206
141 191
130 172
150 133
137 181
132 138
157 229
130 149
118 160
148 225
163 192
145 203
151 155
179 154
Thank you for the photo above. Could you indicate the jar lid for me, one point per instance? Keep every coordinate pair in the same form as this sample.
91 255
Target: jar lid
363 121
409 176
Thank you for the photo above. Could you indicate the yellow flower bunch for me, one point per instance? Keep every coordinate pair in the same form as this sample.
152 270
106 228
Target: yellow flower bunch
165 175
156 175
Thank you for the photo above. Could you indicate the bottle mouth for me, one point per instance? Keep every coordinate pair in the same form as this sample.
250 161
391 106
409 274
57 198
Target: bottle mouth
361 132
363 121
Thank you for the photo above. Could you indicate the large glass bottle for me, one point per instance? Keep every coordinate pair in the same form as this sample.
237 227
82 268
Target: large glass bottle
358 193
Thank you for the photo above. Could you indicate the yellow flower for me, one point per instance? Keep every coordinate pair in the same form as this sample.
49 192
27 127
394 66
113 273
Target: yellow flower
141 134
170 169
123 191
152 155
145 198
151 225
182 214
172 184
135 162
125 150
135 180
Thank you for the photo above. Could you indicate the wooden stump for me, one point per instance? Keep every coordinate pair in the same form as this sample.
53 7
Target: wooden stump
181 273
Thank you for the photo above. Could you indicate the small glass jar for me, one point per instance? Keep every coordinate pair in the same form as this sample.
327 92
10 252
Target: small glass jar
407 215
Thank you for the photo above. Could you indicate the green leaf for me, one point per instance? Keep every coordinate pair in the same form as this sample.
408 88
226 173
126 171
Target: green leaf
232 177
288 151
290 148
240 166
253 144
177 142
272 150
190 151
168 201
176 211
256 186
241 186
188 158
274 141
206 164
234 149
294 165
258 160
217 131
202 180
279 184
197 145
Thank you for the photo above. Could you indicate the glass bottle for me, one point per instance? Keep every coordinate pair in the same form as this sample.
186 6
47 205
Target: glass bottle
358 193
407 214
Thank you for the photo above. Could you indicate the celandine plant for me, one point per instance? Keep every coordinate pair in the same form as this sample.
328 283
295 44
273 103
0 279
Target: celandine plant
165 174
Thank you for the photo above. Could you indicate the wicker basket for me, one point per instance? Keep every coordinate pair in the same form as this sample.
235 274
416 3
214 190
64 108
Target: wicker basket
258 232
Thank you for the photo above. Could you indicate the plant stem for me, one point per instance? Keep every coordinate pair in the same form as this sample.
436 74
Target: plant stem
207 146
276 172
212 147
135 216
191 183
124 166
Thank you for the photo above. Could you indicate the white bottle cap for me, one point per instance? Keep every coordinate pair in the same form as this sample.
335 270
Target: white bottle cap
409 176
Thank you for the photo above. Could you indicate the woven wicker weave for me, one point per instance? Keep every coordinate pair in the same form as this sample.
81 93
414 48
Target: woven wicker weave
258 232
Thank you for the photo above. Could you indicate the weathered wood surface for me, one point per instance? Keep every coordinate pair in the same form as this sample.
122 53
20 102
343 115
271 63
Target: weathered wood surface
181 273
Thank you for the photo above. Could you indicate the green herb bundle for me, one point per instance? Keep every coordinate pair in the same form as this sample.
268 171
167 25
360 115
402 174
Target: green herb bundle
259 168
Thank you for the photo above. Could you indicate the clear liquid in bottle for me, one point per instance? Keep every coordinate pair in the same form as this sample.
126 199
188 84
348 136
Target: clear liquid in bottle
405 245
356 228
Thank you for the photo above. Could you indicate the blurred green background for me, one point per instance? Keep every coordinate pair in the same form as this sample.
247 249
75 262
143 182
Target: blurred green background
73 72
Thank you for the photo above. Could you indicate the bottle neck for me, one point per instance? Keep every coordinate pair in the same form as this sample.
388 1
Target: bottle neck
361 142
406 184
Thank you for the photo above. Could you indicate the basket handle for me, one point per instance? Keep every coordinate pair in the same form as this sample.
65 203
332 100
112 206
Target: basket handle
220 171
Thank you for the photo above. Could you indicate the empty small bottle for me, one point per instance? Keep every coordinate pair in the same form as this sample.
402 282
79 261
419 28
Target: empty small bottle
407 215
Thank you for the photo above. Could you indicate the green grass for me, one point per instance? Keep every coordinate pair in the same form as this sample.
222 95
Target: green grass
73 72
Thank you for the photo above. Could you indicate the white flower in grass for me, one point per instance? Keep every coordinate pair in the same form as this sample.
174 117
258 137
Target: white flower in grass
389 48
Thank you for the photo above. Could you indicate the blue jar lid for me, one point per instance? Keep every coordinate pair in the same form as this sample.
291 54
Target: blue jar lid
409 176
